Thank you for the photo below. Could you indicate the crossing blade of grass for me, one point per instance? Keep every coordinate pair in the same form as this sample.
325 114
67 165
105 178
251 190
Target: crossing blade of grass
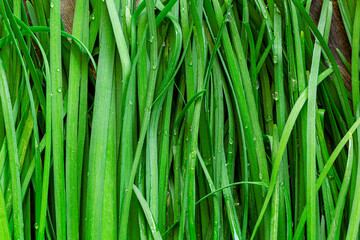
275 196
5 8
190 172
148 214
243 108
48 120
340 88
120 40
221 164
146 118
325 171
34 119
322 156
340 204
36 29
264 55
354 216
216 198
13 155
282 145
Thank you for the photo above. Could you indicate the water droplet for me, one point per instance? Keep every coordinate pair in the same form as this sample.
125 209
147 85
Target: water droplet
257 85
268 118
130 103
154 67
246 126
36 225
186 139
58 69
230 141
226 164
51 4
174 133
275 96
59 90
282 184
260 176
191 63
265 15
163 44
237 204
151 39
93 17
275 59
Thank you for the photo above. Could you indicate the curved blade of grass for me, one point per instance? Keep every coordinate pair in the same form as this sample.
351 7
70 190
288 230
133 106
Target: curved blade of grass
282 145
155 233
340 204
23 47
33 112
275 196
33 29
264 55
13 155
120 40
144 126
340 88
260 184
355 216
325 171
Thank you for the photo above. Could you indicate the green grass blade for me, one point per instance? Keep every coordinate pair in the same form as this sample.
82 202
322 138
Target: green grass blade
13 154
